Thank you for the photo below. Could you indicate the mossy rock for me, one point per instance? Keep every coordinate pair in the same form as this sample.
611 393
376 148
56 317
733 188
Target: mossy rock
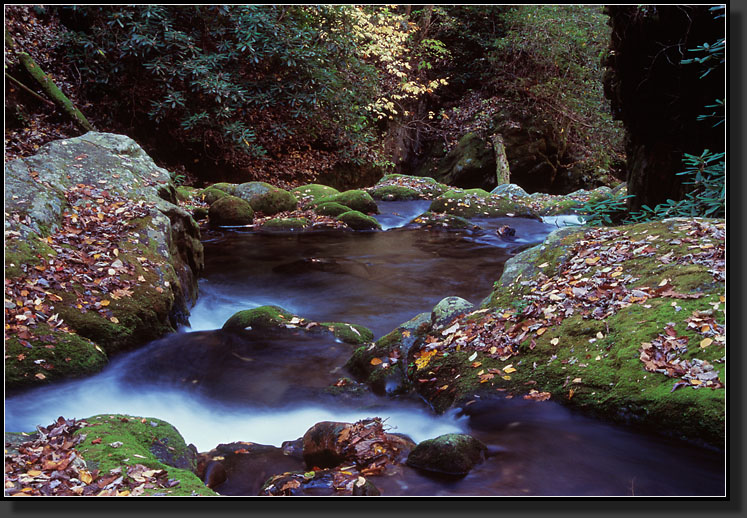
266 198
470 164
359 221
478 203
331 208
310 193
449 454
258 318
211 194
79 357
349 333
285 224
144 440
185 193
230 210
226 187
448 309
441 221
394 193
355 199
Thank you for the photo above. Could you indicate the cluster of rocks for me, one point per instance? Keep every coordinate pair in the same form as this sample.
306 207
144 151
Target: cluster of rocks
334 458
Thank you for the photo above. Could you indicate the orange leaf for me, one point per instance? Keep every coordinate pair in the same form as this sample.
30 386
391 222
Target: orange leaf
375 361
541 330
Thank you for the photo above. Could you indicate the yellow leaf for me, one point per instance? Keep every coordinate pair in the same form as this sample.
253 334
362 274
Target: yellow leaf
506 377
405 334
541 331
592 260
40 376
722 298
705 329
509 369
696 382
424 359
555 341
33 473
576 380
126 492
105 302
115 320
600 335
493 349
85 476
705 343
570 394
615 274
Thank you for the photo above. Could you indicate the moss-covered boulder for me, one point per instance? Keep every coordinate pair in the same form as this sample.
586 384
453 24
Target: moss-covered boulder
229 211
229 188
185 193
477 203
261 317
331 208
394 193
450 454
211 194
275 316
355 199
285 224
359 221
266 198
626 323
401 187
441 221
310 193
121 442
95 249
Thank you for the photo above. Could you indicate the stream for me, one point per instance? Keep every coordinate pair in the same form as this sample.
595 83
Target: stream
269 387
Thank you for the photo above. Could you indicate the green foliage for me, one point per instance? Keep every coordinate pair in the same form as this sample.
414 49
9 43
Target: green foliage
245 81
551 55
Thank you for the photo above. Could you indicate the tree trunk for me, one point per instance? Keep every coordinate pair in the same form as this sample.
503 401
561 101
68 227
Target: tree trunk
49 87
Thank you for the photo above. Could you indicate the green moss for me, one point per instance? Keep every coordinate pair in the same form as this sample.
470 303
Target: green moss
440 221
479 203
60 355
359 221
331 208
285 224
230 210
229 188
355 199
184 193
147 441
211 194
30 252
349 333
273 202
394 193
263 316
312 192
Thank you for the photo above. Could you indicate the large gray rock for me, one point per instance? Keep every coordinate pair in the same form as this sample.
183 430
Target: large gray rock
110 176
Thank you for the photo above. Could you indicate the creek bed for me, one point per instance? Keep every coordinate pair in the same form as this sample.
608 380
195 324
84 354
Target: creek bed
269 387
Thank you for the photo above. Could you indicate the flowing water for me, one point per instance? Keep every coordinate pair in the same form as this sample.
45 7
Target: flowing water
270 387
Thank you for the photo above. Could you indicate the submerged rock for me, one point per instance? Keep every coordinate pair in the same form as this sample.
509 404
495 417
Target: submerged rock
450 454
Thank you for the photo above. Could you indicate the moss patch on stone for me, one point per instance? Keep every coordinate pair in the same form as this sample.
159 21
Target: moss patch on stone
479 203
148 441
359 221
230 210
261 317
331 208
64 355
349 333
211 194
441 221
355 199
310 193
285 224
394 193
